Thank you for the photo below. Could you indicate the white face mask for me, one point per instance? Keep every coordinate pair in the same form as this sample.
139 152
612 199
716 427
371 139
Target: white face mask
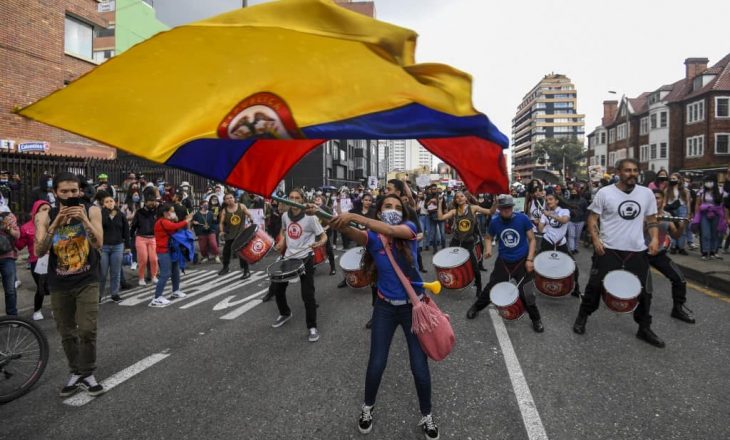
173 218
391 217
709 185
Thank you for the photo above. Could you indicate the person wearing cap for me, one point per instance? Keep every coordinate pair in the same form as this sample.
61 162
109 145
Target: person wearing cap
104 185
515 261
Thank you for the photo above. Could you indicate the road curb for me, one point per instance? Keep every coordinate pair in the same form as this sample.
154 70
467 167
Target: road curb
719 281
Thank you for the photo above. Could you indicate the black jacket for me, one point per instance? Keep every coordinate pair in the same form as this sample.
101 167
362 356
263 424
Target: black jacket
143 223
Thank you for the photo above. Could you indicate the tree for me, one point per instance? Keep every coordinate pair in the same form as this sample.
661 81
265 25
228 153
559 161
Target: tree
555 150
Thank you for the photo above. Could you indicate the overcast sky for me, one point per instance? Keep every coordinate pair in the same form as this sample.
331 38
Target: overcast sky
629 46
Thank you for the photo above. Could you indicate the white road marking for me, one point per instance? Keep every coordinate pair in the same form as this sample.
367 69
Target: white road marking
227 303
530 416
250 304
145 294
83 398
254 277
203 283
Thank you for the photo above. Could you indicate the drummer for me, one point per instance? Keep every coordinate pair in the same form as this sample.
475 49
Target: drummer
392 309
300 233
554 227
515 261
465 229
664 264
232 223
619 244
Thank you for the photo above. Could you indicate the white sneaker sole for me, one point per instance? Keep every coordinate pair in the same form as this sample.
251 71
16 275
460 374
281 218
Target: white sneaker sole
279 324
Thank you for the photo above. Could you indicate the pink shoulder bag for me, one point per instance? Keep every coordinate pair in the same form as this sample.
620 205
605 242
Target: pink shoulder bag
430 324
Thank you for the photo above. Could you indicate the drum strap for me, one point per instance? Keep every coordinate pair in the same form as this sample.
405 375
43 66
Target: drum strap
623 259
514 269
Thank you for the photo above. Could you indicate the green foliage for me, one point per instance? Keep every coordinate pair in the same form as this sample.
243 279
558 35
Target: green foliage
555 149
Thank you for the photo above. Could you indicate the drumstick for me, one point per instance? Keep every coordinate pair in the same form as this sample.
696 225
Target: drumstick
321 213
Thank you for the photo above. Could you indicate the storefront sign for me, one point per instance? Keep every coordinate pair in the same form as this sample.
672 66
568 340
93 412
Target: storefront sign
33 147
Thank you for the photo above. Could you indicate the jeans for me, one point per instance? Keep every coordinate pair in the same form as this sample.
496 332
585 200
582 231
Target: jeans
436 234
7 271
574 231
41 287
425 228
111 262
168 268
146 252
682 241
386 318
75 311
208 244
709 236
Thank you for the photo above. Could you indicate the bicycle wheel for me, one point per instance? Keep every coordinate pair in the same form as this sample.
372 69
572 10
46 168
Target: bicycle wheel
23 356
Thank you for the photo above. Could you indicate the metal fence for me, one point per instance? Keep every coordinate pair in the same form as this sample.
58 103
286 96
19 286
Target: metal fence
31 167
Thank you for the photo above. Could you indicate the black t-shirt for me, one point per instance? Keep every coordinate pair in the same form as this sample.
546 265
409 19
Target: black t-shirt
72 261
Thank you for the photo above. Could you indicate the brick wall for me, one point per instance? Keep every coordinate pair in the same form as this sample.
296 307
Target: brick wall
34 65
680 131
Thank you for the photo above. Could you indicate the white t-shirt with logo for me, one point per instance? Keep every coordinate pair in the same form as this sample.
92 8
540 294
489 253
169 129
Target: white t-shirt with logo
345 204
555 231
300 235
622 216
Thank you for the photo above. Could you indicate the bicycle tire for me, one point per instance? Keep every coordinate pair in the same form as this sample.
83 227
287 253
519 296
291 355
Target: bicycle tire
7 324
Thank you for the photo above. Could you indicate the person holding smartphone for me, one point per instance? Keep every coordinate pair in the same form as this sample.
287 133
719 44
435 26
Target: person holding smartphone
72 235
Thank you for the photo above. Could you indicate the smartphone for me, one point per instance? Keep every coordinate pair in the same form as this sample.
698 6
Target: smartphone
71 201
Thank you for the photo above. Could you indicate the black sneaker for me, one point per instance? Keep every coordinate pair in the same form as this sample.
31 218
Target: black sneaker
430 430
365 423
342 284
72 386
369 324
580 324
646 335
91 386
116 298
683 252
246 275
333 272
223 271
472 312
537 326
682 313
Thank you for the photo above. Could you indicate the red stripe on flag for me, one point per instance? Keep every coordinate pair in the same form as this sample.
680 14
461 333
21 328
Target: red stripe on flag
266 162
480 163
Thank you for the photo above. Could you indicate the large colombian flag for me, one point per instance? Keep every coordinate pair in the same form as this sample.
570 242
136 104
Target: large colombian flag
243 96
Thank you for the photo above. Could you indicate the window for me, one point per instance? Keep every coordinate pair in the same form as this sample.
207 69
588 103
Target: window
722 143
612 136
621 132
722 107
652 152
663 119
78 38
653 121
644 126
695 112
612 158
644 153
603 160
696 146
603 137
663 150
631 152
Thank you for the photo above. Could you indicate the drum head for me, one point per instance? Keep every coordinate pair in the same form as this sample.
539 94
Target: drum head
284 267
450 257
244 237
504 294
351 259
622 284
554 265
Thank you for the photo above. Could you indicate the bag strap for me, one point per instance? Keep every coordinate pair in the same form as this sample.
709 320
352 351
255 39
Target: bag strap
404 281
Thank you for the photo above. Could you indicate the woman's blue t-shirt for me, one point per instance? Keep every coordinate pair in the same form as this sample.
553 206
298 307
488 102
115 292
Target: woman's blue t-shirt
388 282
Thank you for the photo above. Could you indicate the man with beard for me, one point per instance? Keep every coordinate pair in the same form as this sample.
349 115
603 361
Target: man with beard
619 244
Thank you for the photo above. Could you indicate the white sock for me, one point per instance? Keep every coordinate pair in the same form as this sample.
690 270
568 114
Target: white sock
73 379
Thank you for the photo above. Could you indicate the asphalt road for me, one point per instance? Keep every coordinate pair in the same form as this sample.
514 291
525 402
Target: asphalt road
215 369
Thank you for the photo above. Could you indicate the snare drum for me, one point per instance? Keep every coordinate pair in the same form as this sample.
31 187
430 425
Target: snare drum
506 298
320 255
286 271
621 290
479 250
252 244
351 264
554 274
453 268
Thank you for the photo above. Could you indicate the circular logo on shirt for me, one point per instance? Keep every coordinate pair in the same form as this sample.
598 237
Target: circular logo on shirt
235 220
554 223
464 225
510 238
294 231
629 210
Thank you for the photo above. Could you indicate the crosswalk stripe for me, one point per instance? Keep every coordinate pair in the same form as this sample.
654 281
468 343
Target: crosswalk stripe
254 277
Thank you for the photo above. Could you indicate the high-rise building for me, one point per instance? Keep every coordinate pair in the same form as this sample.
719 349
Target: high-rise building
549 110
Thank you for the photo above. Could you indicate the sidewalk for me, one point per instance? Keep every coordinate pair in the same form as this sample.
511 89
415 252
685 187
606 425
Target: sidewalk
714 274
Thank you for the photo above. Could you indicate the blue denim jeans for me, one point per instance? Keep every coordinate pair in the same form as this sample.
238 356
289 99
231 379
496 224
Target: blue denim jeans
8 274
682 241
386 318
425 228
709 237
111 264
436 235
574 231
168 269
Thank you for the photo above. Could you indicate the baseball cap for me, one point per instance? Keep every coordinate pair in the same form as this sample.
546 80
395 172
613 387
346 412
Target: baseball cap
103 176
505 200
